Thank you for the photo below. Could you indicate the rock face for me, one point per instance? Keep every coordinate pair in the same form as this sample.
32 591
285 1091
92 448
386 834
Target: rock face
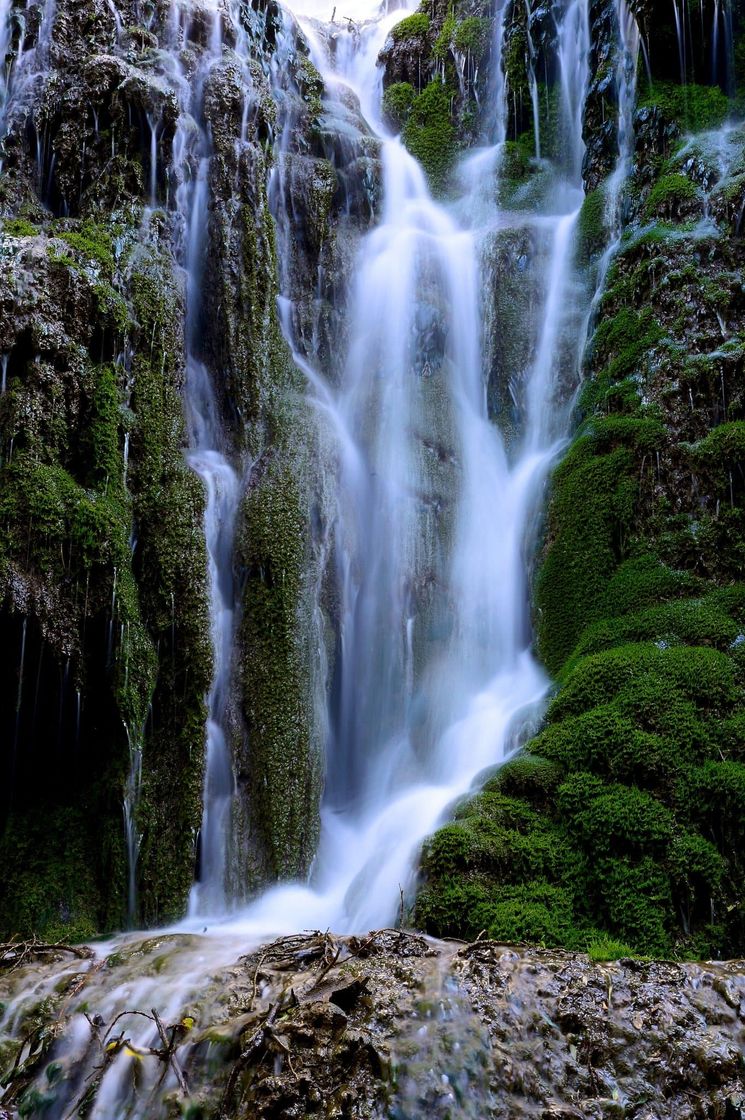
389 1025
623 819
103 580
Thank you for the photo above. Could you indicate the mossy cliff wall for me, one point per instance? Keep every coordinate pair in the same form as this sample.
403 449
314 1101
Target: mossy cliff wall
622 822
103 577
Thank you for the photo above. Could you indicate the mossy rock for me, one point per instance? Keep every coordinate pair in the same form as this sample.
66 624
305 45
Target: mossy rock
415 26
430 135
693 107
397 102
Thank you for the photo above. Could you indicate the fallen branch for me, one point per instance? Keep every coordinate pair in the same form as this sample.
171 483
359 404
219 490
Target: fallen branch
255 1045
168 1053
13 954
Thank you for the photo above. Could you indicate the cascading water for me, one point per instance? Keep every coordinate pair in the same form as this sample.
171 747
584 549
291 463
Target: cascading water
207 456
208 459
22 71
5 38
436 680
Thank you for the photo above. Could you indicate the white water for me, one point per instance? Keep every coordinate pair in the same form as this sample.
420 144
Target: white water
436 679
25 72
208 458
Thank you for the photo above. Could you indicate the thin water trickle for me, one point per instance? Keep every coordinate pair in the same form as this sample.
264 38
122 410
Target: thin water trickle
132 833
208 458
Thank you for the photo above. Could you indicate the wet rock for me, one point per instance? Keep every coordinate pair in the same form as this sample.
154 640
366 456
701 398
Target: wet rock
498 1031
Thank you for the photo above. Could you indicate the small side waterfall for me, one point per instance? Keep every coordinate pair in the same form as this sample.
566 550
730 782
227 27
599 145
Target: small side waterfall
5 64
223 494
22 72
207 457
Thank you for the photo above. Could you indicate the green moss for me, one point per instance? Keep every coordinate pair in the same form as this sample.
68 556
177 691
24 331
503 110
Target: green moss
283 763
415 26
397 102
720 456
52 890
168 504
444 41
528 776
592 503
625 340
19 227
472 36
515 67
311 85
516 162
668 195
92 241
429 133
533 912
613 818
693 107
67 509
608 949
592 230
637 776
528 912
635 901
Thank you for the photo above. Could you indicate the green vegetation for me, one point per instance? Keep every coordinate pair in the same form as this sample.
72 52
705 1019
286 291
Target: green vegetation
669 196
591 228
472 35
693 107
68 503
620 830
607 949
439 110
397 102
415 26
429 133
18 227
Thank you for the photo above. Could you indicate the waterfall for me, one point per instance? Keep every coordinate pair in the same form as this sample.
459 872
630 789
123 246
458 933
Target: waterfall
208 458
680 31
435 682
5 42
436 498
23 71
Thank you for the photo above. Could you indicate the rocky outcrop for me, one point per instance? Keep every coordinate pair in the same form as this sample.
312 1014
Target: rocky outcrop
438 65
102 562
388 1025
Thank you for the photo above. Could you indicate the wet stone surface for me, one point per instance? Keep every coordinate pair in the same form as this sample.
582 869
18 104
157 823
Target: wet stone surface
391 1026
